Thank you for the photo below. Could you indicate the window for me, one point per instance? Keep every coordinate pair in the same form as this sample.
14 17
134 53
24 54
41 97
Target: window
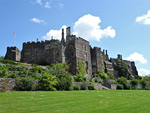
98 53
85 56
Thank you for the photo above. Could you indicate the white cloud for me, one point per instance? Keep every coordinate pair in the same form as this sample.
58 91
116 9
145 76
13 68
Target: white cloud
47 5
137 58
38 2
88 27
143 72
36 20
144 19
55 33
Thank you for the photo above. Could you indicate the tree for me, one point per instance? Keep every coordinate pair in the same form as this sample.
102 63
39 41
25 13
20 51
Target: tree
122 68
81 68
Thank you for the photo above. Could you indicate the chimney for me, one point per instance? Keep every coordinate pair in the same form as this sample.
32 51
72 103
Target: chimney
119 57
68 32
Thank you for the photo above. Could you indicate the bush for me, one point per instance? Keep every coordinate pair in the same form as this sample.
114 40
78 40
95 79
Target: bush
3 73
25 85
65 82
102 75
48 83
8 62
91 87
110 75
126 86
143 83
13 75
79 78
122 80
84 86
76 87
134 82
120 86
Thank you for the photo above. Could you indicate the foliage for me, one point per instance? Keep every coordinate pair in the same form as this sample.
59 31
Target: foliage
102 75
1 58
120 86
36 77
8 62
84 86
76 87
103 66
48 82
25 85
3 73
122 68
58 68
91 87
126 86
13 75
79 78
122 80
110 75
81 68
6 68
65 82
143 83
134 82
38 70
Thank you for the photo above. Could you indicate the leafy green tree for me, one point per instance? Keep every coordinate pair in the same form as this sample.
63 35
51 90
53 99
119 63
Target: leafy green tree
122 68
81 68
48 83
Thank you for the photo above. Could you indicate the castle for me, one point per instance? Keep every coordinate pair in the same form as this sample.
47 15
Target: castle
70 49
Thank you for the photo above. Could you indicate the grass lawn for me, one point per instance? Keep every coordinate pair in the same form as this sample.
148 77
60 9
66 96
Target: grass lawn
101 101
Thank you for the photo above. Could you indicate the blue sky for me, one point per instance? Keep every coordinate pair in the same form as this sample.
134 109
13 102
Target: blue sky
119 26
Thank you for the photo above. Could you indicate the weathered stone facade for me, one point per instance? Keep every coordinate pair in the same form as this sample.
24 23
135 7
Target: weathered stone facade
70 49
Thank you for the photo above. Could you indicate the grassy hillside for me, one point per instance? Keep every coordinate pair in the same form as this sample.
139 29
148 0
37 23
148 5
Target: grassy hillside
133 101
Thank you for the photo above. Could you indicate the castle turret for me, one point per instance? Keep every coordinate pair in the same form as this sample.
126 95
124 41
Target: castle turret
119 57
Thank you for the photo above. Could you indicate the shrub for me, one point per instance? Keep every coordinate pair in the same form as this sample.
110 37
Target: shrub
91 87
84 86
3 73
126 86
122 80
13 75
120 86
102 74
79 78
110 75
8 62
134 82
143 83
65 82
48 83
76 87
25 85
58 68
36 77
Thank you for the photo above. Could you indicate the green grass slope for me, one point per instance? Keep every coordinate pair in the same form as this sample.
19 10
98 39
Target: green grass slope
133 101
